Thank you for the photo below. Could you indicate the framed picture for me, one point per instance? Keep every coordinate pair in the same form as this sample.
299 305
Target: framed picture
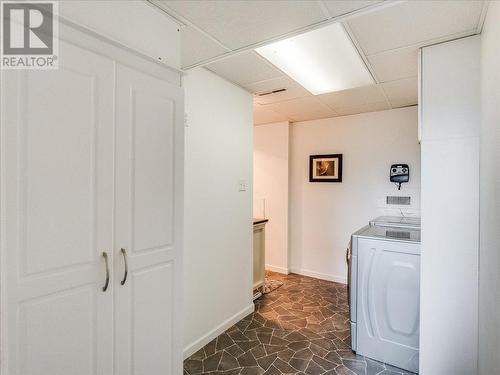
325 168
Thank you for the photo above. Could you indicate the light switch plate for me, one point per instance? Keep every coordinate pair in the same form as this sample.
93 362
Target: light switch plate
242 185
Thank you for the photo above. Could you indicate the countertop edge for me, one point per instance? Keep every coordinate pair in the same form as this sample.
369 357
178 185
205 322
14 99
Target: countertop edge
259 221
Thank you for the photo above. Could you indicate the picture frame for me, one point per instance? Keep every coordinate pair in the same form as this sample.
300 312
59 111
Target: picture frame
325 168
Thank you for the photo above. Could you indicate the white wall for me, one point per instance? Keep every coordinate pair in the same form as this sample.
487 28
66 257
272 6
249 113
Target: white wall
270 162
323 215
489 255
218 219
136 24
450 207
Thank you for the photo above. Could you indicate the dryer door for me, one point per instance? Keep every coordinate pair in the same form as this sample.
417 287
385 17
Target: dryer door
388 302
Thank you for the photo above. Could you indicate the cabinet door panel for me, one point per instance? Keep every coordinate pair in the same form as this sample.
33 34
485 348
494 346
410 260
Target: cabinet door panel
57 175
149 180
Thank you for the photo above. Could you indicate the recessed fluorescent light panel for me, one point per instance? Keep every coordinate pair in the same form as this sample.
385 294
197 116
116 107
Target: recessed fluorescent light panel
322 60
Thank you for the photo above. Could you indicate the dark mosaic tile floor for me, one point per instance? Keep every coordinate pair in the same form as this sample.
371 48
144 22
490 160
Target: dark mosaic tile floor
301 328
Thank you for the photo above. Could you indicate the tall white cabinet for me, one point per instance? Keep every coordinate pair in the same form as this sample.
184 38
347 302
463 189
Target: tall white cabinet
450 127
91 209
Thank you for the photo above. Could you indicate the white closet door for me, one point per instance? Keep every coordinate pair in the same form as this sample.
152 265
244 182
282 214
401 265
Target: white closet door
57 129
149 201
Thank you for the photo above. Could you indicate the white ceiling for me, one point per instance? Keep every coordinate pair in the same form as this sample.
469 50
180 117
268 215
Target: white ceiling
221 36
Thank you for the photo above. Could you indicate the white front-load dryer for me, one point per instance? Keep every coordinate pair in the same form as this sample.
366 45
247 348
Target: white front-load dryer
384 294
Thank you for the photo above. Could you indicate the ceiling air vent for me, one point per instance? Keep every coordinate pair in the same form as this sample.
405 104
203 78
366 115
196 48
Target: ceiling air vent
271 92
399 201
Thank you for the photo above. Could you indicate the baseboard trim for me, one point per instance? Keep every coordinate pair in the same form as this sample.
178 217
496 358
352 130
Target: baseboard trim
283 270
204 340
317 275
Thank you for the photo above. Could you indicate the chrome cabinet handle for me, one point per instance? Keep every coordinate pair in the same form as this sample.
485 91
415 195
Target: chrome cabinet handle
124 253
105 256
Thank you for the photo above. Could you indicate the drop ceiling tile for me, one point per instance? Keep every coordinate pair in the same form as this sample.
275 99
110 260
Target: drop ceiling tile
312 116
241 23
244 68
293 90
402 92
263 115
302 109
394 65
368 107
339 7
197 47
271 84
353 97
413 22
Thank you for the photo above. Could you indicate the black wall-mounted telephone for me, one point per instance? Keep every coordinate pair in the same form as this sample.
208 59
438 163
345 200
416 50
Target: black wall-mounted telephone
399 174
